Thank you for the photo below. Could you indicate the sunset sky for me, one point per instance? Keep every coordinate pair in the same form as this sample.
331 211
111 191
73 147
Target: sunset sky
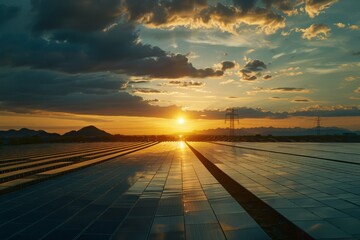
137 66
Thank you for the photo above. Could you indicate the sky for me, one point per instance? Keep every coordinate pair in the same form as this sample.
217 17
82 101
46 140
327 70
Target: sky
137 66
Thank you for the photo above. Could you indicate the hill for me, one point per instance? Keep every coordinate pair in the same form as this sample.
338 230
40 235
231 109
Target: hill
25 132
24 135
87 132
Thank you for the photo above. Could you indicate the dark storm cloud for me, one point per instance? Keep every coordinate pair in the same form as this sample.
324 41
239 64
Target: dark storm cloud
90 15
7 13
88 36
28 90
83 15
118 50
48 83
73 51
170 66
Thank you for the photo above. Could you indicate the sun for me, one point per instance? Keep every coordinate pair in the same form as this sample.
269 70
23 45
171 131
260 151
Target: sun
181 121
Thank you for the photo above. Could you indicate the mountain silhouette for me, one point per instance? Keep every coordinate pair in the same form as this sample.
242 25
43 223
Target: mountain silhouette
25 132
87 132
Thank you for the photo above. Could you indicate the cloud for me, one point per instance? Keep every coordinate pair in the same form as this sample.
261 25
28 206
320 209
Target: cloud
82 15
252 69
314 7
245 5
277 98
351 78
227 82
227 65
312 111
278 90
90 15
251 50
7 13
198 14
220 38
255 65
186 84
288 89
289 72
48 83
340 25
322 70
278 55
118 49
327 111
29 91
288 7
354 27
243 112
350 26
248 78
318 31
147 91
267 77
350 65
300 100
170 66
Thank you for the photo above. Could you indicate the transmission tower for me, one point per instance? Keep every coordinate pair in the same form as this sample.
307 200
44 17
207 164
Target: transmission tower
232 115
318 126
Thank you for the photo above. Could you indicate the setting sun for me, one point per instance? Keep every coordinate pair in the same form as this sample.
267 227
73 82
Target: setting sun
181 121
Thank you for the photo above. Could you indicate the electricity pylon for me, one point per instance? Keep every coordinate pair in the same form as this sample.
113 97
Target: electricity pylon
232 116
318 126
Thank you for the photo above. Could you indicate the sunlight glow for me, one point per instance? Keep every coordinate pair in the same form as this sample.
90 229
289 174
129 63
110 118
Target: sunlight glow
181 121
181 145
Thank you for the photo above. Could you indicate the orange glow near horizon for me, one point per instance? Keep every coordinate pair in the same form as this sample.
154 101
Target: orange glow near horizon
156 126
